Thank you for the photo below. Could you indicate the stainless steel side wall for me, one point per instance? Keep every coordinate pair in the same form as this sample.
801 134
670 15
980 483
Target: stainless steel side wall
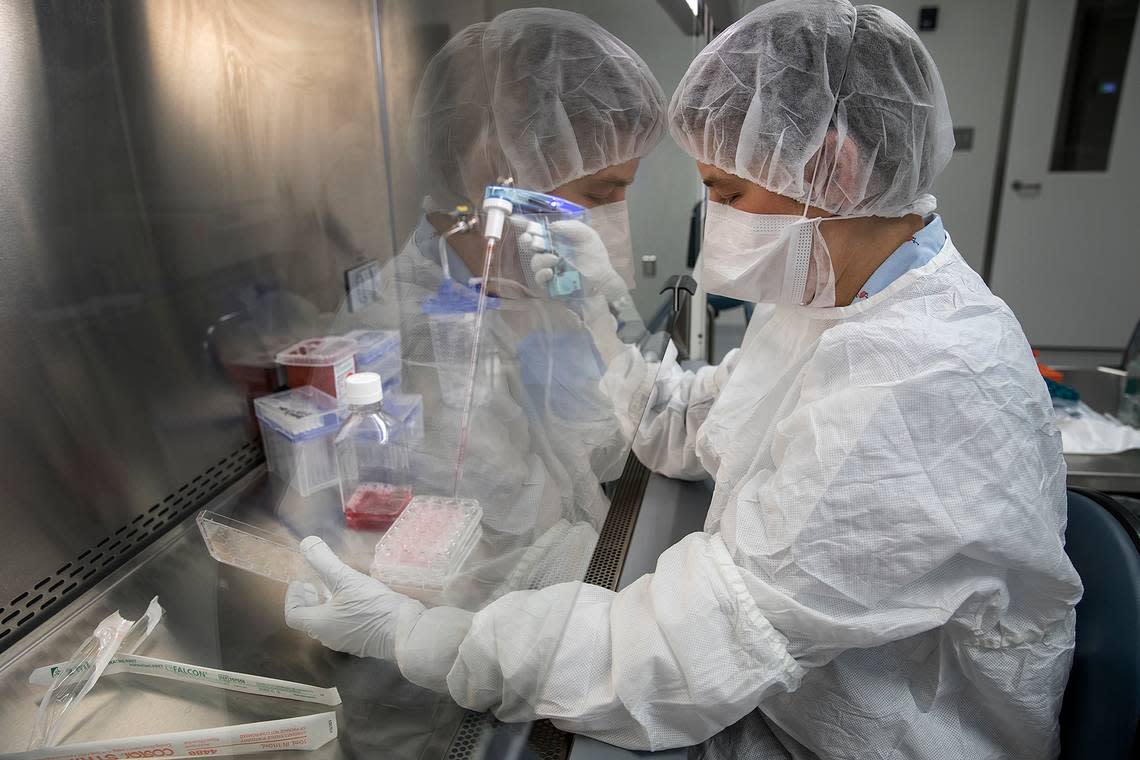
167 169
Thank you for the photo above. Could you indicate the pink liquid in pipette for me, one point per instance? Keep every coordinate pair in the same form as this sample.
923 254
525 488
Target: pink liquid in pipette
465 419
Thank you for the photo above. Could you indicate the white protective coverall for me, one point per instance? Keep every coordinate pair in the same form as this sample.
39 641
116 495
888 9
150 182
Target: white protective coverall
881 573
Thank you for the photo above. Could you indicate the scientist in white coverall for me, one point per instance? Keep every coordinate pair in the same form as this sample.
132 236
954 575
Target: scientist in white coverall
882 572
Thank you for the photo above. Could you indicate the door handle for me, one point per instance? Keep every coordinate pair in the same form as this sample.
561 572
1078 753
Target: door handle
679 283
1025 187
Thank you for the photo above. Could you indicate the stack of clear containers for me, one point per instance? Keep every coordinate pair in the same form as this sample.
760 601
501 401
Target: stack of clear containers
324 363
250 548
297 429
407 409
379 351
451 319
427 545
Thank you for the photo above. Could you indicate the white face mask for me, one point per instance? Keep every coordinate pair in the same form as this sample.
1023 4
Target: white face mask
611 222
766 258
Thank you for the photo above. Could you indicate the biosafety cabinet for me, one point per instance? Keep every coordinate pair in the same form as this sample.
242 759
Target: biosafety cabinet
210 218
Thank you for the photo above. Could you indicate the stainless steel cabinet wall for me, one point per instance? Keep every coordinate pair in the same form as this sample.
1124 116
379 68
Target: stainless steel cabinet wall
162 165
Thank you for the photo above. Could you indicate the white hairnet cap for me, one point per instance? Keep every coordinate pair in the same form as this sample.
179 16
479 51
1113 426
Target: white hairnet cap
800 81
544 96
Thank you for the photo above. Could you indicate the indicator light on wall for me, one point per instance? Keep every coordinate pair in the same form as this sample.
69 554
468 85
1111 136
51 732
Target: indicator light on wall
649 265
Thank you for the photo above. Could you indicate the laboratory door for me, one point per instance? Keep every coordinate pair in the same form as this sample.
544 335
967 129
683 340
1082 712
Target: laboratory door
1067 252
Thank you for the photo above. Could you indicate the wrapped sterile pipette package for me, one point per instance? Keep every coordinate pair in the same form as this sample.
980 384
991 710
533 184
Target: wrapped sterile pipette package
378 351
452 318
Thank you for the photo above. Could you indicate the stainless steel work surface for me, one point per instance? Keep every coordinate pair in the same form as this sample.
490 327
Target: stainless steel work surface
670 510
589 749
1111 473
221 617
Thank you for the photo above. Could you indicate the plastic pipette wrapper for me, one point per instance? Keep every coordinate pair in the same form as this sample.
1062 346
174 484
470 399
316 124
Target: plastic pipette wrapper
76 677
303 733
199 674
1086 431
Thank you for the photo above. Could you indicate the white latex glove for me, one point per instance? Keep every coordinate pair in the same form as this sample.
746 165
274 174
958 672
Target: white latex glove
603 327
583 249
660 406
633 327
363 615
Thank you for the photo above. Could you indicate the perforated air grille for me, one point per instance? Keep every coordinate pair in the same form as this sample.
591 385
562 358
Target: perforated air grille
29 608
613 542
471 738
476 731
547 742
481 737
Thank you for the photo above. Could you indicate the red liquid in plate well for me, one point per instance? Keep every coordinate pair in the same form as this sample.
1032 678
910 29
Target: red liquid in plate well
373 506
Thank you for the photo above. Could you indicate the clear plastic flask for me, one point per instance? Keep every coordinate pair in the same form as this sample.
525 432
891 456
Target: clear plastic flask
372 459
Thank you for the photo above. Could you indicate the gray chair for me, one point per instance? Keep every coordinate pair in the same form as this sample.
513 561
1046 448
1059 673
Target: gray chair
1100 717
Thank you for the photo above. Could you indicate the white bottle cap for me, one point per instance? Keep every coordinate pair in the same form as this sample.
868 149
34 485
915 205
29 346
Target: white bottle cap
363 388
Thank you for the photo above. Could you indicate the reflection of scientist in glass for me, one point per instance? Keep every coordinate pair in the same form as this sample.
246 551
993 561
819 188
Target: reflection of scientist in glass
553 101
882 571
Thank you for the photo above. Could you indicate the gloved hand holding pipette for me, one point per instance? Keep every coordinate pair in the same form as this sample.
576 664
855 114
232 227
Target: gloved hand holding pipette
576 244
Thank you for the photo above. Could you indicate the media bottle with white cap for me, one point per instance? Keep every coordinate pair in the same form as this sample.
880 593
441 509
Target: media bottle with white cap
372 460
